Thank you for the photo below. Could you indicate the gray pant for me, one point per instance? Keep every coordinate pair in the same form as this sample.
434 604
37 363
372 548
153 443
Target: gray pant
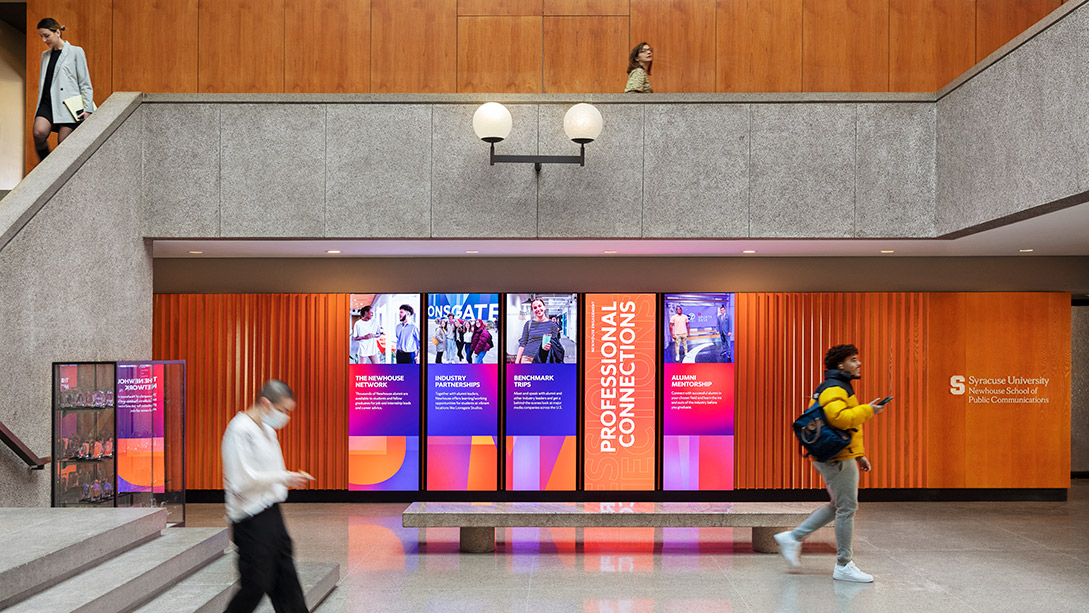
841 480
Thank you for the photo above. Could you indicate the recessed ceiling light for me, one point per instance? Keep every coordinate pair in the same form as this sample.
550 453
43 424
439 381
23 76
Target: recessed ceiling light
1024 250
471 251
333 251
196 252
887 251
749 251
610 251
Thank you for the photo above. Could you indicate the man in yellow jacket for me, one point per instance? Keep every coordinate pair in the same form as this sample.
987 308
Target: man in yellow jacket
840 474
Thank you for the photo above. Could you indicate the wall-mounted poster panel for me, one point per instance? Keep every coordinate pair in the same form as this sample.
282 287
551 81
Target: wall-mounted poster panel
541 388
462 391
698 373
619 392
140 401
384 393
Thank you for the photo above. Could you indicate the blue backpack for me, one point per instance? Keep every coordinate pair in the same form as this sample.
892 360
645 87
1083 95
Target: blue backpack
820 439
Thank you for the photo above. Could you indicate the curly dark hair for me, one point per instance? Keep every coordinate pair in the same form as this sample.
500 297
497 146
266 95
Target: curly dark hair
836 355
633 58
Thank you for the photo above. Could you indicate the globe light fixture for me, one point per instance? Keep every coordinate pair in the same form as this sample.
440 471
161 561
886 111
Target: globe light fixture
582 123
492 123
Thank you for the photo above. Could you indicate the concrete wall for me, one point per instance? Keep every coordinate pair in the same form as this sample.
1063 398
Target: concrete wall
683 169
1079 389
12 103
1016 135
75 284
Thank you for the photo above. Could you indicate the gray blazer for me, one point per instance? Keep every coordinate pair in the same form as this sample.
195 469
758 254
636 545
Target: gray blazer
70 77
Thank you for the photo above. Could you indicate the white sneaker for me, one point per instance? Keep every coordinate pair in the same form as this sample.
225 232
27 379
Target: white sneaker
850 572
790 548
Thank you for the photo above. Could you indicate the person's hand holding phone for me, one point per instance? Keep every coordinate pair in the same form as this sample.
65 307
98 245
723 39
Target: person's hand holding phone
878 404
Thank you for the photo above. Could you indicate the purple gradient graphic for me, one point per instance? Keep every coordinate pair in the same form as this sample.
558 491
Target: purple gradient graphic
698 462
537 406
462 400
139 400
384 400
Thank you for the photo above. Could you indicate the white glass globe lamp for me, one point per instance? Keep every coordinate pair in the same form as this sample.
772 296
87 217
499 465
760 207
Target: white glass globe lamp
582 123
492 122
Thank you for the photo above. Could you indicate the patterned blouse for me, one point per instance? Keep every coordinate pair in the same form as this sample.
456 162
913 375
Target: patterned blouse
638 82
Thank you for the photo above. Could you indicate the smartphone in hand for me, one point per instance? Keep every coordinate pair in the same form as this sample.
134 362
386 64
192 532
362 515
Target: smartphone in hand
885 400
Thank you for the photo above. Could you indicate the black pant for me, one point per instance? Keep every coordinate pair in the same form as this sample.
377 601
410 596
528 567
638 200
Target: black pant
265 564
461 345
406 357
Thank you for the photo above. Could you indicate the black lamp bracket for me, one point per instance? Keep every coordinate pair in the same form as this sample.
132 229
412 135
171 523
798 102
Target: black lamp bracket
537 160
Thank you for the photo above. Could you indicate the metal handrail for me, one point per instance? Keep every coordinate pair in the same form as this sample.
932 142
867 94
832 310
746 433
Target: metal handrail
21 450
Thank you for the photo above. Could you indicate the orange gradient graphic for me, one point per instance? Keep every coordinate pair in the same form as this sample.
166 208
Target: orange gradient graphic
619 388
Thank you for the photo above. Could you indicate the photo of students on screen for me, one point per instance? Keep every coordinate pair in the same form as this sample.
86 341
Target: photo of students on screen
698 328
541 329
462 329
376 320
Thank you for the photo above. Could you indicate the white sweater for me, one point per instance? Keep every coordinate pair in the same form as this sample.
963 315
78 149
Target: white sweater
254 477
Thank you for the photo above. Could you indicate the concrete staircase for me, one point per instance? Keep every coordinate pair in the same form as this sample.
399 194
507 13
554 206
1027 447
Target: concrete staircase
114 560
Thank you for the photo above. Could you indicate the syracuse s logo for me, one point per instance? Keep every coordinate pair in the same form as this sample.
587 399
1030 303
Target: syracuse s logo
956 385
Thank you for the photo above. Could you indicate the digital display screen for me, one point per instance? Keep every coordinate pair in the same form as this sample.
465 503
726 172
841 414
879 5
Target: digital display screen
462 347
698 389
140 460
619 392
541 391
384 393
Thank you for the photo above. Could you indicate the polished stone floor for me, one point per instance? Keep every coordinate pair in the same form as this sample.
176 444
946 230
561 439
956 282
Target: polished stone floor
994 556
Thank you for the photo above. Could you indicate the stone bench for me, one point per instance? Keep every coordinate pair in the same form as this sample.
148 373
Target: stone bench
478 521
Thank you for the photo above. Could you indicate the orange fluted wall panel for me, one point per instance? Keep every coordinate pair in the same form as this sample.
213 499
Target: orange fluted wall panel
931 42
1002 346
313 62
999 21
682 34
845 46
414 46
234 342
580 38
89 25
759 45
240 46
499 54
155 46
781 340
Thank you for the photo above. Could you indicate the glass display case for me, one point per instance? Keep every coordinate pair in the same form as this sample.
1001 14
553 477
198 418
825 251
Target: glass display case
84 434
119 435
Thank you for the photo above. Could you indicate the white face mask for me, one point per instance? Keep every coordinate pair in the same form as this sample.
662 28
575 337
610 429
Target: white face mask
275 419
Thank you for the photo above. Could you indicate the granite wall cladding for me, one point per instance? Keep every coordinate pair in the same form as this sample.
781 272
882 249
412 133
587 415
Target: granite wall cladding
1079 389
1013 137
76 286
711 170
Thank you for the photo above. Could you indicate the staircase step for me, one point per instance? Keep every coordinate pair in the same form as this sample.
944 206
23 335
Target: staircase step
211 588
123 582
43 547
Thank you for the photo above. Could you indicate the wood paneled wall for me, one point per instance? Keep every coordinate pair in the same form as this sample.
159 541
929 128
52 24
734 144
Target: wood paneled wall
525 46
232 343
781 340
910 344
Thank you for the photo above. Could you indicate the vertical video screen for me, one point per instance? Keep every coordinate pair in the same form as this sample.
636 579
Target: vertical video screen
698 373
461 343
619 390
384 350
541 391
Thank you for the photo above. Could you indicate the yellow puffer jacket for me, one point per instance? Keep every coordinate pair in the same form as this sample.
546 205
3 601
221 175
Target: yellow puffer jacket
842 410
